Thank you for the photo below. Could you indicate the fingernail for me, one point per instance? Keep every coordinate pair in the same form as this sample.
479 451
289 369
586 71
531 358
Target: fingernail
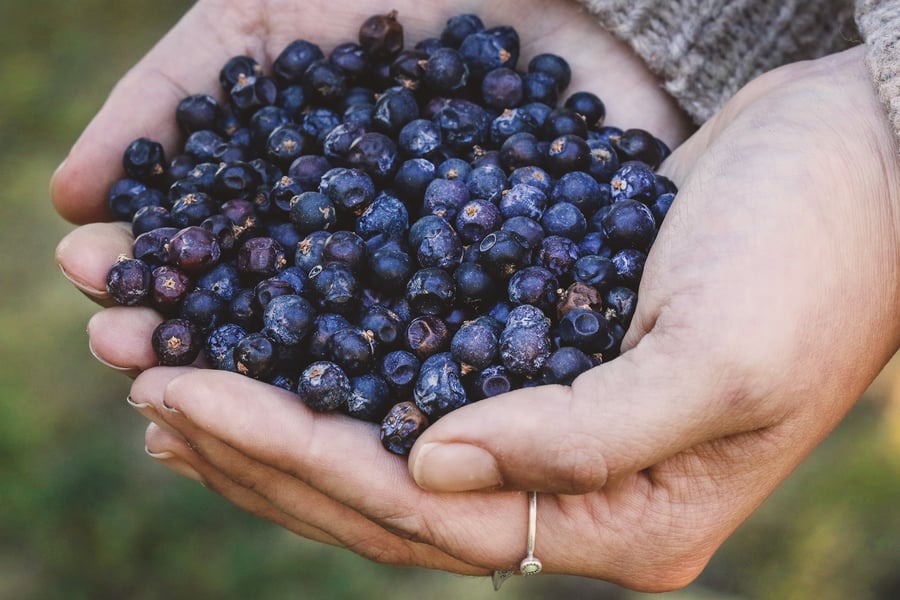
171 409
95 293
455 468
103 362
179 466
164 455
139 405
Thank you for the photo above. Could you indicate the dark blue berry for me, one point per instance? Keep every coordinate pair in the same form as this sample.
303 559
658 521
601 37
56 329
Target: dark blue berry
566 153
629 266
445 71
194 249
634 180
660 206
431 291
476 219
260 257
197 112
596 271
523 200
534 176
312 211
152 246
565 364
351 59
524 350
401 427
292 62
578 188
176 342
463 124
400 368
557 254
145 161
502 253
203 308
369 398
619 303
128 281
237 67
459 27
589 106
223 280
493 381
639 145
412 179
445 197
528 228
324 81
350 190
487 182
564 219
385 326
439 390
347 247
540 87
527 316
221 341
288 319
553 65
533 285
501 88
324 387
474 345
489 49
629 224
474 286
120 198
353 349
148 218
335 287
584 329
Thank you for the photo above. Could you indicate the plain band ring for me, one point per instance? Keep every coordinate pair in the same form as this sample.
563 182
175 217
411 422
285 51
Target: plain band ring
530 565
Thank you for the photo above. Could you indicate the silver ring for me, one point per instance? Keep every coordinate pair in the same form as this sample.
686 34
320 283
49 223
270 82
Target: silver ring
530 565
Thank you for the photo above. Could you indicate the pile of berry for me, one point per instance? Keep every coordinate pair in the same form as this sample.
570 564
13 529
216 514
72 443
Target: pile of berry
393 233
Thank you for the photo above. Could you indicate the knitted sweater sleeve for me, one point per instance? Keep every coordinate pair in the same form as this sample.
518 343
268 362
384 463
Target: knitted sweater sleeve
879 23
706 50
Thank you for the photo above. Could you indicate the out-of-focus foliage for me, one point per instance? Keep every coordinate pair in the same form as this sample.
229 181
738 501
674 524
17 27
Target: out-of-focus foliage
85 514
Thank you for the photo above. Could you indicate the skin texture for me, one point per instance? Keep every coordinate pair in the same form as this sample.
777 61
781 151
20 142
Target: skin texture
766 308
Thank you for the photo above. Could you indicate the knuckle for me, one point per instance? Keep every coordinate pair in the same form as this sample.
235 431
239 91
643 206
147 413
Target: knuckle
579 465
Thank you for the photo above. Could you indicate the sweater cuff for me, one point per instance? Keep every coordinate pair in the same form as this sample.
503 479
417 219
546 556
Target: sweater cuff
704 51
879 24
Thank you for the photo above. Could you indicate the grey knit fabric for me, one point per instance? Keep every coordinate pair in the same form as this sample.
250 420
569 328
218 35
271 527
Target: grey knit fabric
706 50
879 22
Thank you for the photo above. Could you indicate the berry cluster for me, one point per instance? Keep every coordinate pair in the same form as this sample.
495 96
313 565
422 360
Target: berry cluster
389 232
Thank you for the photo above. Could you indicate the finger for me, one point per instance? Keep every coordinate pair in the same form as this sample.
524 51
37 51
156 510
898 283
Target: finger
234 475
119 337
86 254
343 459
173 452
615 420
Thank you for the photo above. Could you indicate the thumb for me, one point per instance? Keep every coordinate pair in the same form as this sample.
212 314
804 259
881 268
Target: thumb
615 419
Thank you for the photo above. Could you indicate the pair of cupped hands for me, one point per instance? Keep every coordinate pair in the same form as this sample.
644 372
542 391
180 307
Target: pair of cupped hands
768 304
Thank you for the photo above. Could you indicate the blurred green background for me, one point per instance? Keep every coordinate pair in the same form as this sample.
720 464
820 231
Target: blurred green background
85 514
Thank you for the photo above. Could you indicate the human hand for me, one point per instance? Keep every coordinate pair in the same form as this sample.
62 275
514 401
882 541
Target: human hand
187 60
743 355
277 460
